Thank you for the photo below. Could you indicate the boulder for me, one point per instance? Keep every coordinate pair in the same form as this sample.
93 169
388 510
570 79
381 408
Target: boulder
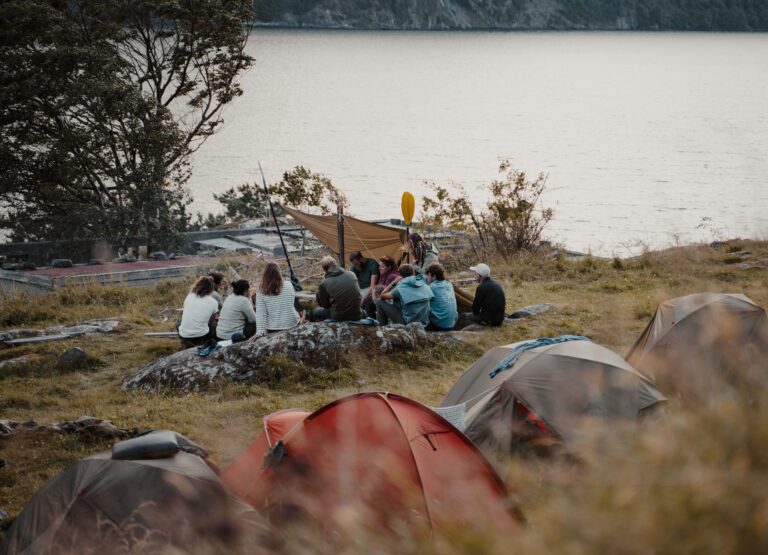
320 346
72 359
158 255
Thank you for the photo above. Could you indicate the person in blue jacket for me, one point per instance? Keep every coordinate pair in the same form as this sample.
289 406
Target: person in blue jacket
443 312
406 302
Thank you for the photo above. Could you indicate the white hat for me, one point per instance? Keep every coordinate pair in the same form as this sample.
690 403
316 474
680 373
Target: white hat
481 269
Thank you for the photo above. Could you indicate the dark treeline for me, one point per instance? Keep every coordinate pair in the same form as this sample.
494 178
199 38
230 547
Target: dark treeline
665 15
677 15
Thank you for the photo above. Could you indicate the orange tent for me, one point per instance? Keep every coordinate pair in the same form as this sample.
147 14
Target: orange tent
383 458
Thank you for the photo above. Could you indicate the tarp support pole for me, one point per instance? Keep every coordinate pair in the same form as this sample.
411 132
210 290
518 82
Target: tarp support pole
294 278
340 231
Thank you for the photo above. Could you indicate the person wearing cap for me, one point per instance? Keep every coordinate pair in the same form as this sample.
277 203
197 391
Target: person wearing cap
490 301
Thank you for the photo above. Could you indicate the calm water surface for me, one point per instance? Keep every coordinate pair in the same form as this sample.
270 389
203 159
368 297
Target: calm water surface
643 135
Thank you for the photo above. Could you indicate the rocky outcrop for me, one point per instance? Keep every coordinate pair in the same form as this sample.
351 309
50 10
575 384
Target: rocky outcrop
322 347
88 327
83 425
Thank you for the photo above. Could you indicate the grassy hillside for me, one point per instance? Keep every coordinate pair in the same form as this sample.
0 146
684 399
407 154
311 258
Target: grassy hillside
694 482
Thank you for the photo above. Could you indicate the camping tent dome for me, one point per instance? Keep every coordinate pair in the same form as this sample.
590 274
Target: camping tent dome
701 343
386 459
100 505
547 393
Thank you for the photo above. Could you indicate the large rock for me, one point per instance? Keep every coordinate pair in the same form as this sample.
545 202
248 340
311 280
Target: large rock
318 346
72 359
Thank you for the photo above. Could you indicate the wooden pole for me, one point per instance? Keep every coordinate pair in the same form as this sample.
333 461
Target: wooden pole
340 232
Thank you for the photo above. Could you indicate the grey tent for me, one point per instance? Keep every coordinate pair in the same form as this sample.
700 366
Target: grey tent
547 394
698 344
100 505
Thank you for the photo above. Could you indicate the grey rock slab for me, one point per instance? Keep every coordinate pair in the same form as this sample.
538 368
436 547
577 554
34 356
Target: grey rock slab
317 345
24 359
84 424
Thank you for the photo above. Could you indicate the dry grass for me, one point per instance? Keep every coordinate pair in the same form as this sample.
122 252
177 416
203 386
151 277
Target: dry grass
692 483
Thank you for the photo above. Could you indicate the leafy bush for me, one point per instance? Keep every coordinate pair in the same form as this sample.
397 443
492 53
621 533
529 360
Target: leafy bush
511 222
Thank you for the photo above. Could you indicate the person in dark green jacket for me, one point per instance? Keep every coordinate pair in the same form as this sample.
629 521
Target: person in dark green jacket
338 296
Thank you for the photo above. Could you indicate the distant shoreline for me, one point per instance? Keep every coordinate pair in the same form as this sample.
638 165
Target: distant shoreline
297 27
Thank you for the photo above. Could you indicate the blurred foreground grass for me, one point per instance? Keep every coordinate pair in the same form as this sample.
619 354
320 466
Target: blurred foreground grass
692 481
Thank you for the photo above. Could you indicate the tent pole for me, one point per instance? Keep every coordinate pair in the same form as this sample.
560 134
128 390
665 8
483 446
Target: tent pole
340 232
294 278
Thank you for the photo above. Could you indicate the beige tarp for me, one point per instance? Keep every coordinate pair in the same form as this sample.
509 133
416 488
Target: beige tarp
373 240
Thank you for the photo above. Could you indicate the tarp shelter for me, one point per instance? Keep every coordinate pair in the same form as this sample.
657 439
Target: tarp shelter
388 461
694 344
373 240
99 505
548 393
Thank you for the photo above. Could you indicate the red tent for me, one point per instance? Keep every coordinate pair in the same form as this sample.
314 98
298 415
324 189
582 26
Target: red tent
383 458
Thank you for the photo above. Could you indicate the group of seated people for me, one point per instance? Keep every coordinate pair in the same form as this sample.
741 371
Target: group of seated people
415 292
209 316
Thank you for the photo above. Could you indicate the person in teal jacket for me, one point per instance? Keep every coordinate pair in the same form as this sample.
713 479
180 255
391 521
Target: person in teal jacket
442 308
410 300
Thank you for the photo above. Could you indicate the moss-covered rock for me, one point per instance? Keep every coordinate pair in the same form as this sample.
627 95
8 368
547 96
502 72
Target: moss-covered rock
319 346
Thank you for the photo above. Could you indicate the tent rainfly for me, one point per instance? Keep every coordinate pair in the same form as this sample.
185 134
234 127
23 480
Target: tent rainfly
381 458
704 343
171 504
548 394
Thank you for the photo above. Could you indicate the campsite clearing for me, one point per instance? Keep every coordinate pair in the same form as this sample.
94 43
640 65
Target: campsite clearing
721 472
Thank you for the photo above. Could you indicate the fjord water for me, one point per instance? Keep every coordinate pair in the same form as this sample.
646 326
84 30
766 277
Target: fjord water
644 136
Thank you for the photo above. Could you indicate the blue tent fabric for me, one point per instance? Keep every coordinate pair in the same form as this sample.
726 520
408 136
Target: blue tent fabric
512 357
208 350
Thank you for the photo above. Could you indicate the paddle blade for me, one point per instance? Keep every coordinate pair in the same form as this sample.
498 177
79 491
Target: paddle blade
409 206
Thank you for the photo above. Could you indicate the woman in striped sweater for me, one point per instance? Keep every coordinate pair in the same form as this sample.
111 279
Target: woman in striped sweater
274 302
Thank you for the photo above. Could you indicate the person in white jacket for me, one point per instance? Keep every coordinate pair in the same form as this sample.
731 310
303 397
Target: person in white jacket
237 314
198 319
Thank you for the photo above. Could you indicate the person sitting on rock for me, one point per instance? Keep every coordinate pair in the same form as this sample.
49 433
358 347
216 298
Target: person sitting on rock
420 253
198 319
237 315
443 313
275 302
366 270
338 296
410 300
218 279
490 302
388 277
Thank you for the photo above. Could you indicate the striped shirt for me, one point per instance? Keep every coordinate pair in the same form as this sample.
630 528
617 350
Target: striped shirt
276 312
